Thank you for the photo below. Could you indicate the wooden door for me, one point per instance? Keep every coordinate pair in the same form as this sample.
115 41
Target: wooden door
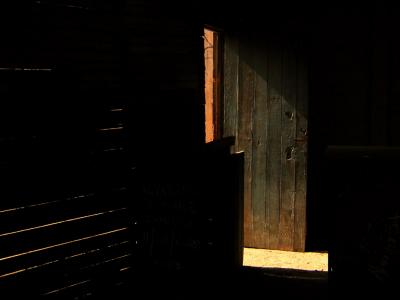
265 107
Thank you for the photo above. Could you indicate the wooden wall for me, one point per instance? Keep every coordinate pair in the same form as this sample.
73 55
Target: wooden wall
64 163
353 84
265 107
90 92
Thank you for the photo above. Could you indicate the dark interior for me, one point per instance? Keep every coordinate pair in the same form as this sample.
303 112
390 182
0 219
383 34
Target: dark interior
108 189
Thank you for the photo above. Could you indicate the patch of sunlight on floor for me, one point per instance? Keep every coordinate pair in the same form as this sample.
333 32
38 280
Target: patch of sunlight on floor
262 258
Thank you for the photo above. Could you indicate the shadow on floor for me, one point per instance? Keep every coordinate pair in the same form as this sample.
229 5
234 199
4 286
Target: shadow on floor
246 283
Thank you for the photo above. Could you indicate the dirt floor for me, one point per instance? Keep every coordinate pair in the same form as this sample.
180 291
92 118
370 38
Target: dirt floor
310 261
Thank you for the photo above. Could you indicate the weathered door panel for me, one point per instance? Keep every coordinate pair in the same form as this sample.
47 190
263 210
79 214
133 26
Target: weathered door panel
265 103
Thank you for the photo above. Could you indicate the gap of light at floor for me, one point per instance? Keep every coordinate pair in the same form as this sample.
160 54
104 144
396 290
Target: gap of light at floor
262 258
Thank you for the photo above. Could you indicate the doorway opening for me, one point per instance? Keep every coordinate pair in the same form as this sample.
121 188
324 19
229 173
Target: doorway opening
212 84
265 104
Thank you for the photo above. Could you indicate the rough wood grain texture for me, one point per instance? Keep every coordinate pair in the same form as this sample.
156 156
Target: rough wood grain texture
259 149
274 136
239 158
218 85
245 111
288 149
231 69
301 155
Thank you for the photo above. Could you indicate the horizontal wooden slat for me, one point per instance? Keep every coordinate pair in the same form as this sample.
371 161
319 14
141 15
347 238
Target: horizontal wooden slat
74 216
71 289
70 265
48 201
102 5
59 252
100 272
44 237
68 262
55 144
98 286
10 208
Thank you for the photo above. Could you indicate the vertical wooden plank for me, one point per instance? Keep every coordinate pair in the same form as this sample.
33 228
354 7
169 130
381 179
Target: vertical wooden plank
288 149
274 112
246 96
259 149
231 80
238 213
301 154
261 94
218 88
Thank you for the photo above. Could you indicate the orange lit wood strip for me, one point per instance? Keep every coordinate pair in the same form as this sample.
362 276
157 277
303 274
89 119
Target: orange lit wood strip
62 222
63 244
67 287
71 260
46 203
111 128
